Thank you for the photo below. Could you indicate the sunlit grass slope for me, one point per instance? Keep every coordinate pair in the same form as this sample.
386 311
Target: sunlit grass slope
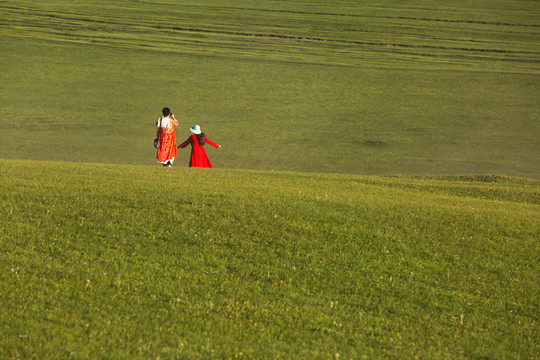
138 262
362 87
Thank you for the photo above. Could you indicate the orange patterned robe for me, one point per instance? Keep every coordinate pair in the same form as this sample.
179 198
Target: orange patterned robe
167 150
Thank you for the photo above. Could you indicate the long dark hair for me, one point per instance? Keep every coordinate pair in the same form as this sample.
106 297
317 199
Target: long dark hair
200 139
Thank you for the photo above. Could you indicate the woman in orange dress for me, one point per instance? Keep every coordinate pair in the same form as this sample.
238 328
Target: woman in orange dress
167 150
198 154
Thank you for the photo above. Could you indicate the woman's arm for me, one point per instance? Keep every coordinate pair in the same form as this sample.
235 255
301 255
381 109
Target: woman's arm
158 126
211 143
185 143
174 122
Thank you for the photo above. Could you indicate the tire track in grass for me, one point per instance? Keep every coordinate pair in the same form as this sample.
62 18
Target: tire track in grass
264 35
495 23
74 22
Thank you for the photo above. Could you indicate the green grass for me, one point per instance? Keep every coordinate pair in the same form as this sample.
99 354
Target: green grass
295 245
109 261
354 87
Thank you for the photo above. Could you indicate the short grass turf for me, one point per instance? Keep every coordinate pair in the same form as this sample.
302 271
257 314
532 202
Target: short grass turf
117 261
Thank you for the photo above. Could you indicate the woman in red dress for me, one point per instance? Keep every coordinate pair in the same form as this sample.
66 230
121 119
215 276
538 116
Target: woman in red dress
167 150
198 154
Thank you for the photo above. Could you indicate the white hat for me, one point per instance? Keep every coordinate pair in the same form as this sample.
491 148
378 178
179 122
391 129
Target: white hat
195 129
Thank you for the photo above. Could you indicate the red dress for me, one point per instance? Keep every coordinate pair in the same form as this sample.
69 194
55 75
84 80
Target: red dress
198 154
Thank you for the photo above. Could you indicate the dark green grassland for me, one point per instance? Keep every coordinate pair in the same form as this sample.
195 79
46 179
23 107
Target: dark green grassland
365 87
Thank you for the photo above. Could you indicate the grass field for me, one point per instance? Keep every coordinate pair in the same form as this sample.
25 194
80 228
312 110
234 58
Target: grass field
108 261
361 87
376 196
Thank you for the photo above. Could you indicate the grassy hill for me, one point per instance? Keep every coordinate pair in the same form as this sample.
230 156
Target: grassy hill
361 87
296 245
119 261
